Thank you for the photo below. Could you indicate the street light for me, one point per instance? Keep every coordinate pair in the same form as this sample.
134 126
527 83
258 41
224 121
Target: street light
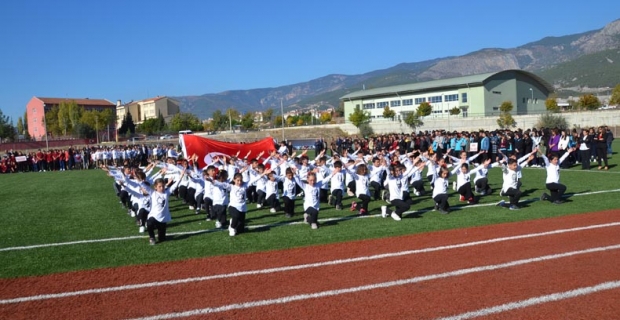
532 91
282 112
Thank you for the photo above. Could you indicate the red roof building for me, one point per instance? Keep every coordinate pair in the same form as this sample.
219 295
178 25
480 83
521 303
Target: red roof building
37 107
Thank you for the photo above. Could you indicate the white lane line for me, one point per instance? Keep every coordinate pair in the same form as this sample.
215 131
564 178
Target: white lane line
298 267
381 285
537 300
58 244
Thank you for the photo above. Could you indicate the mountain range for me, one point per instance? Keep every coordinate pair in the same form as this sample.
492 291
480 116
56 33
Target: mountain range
590 59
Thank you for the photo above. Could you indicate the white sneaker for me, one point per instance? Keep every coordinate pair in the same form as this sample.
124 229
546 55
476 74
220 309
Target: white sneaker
258 206
384 211
454 185
272 210
218 224
314 226
305 217
232 232
192 208
141 230
395 216
417 193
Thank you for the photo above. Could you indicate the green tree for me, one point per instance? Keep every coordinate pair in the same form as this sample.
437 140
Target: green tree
185 121
219 120
552 105
267 115
247 121
325 117
589 102
424 109
63 117
127 125
388 113
7 130
96 120
277 122
455 111
51 121
366 130
505 118
359 116
20 126
340 109
615 96
551 120
412 119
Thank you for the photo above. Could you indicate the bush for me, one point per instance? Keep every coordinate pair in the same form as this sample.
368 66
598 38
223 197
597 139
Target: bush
366 130
551 120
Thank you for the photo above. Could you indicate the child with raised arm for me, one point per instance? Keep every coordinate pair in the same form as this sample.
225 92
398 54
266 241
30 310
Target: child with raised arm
440 189
511 185
553 177
361 177
312 196
159 216
288 192
463 184
394 183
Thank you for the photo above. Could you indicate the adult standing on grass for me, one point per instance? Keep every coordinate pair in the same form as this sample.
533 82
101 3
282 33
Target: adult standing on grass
585 144
601 148
609 138
553 177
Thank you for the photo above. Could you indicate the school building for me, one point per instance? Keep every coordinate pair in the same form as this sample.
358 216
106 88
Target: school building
147 109
37 107
475 95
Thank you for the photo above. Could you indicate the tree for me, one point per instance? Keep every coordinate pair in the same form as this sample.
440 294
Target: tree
615 96
340 109
277 122
455 111
388 113
589 102
505 118
7 130
63 117
552 105
551 120
358 116
185 121
127 125
20 126
424 109
247 122
325 117
300 122
219 120
51 121
26 122
97 120
267 115
412 119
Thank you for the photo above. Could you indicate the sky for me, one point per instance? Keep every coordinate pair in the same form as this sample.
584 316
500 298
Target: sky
133 50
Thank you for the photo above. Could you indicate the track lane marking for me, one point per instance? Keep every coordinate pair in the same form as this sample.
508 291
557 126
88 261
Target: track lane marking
297 267
381 285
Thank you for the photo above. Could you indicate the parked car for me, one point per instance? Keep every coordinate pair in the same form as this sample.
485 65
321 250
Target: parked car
166 137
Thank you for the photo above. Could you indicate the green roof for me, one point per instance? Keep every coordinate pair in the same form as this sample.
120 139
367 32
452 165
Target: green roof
451 83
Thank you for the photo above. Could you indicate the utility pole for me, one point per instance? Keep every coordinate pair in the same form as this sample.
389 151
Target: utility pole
230 119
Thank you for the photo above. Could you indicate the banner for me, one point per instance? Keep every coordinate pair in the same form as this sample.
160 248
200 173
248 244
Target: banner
473 147
20 159
207 148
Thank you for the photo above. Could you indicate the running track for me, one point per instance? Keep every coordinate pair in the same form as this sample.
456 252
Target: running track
559 268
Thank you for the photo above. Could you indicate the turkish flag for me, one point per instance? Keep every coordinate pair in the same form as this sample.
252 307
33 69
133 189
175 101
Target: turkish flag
207 148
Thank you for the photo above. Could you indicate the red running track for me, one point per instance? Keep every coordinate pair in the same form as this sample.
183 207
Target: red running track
442 296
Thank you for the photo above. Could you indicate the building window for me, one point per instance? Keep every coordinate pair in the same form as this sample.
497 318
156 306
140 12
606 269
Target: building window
464 97
497 92
36 130
369 106
495 108
419 100
34 120
34 110
408 102
434 99
523 100
395 103
452 97
382 104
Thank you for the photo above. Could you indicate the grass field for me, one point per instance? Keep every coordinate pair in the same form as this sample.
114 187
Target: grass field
57 207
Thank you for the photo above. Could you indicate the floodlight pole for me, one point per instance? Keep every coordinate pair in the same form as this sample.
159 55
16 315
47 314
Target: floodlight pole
282 112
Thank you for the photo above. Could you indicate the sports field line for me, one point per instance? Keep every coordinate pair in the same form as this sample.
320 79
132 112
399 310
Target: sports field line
301 266
537 300
375 286
278 224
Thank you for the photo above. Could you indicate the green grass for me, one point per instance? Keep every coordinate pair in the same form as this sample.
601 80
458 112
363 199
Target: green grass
52 207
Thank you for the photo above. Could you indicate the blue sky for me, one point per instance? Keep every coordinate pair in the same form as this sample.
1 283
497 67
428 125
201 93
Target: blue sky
132 50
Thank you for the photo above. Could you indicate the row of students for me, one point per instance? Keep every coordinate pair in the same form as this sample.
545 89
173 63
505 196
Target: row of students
396 183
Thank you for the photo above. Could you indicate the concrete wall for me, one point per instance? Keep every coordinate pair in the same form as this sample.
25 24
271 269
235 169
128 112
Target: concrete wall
455 123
